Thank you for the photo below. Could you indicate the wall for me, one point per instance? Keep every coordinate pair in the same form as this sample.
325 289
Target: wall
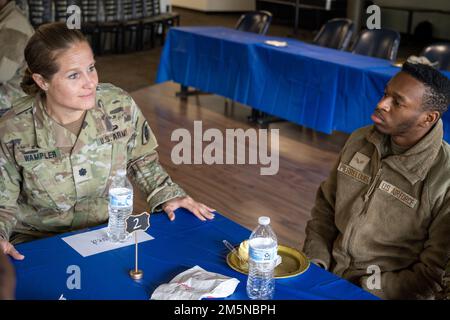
398 20
216 5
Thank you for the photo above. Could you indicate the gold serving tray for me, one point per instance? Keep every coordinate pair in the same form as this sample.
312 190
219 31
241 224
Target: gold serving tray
293 263
397 64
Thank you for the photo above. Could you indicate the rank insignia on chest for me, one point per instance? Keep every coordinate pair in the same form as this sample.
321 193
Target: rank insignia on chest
359 161
81 173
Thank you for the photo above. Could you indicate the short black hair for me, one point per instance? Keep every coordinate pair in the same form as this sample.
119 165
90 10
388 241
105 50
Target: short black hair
437 86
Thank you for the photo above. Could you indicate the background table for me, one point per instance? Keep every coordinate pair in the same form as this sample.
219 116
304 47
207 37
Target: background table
319 88
178 245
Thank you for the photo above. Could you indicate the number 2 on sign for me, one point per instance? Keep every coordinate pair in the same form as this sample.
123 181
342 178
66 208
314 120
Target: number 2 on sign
136 225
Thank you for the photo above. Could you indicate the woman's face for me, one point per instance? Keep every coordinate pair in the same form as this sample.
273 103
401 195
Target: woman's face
73 87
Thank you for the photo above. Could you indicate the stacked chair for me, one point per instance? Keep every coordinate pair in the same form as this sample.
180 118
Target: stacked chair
110 25
40 12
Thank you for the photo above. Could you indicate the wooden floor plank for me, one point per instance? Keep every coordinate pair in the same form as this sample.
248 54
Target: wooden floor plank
239 191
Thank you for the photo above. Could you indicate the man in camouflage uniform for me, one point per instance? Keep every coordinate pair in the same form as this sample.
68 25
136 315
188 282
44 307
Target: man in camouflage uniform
52 181
15 31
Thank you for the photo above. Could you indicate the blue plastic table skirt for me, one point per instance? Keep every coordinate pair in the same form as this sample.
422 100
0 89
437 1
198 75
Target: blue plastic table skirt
320 88
178 246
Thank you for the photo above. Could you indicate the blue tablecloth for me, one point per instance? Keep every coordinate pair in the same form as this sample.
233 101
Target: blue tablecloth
320 88
177 246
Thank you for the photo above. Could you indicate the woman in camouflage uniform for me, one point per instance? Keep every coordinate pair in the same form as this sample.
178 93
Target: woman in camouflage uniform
61 145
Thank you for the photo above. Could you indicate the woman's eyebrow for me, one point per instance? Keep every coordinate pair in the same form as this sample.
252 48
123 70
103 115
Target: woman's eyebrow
78 68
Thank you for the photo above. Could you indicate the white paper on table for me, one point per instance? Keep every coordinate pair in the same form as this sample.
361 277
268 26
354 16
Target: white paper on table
96 241
276 43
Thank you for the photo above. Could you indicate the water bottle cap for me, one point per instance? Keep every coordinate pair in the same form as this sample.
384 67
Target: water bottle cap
264 221
122 172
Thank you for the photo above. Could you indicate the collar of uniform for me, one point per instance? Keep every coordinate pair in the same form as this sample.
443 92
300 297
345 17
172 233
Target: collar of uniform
6 11
415 163
96 124
51 134
44 126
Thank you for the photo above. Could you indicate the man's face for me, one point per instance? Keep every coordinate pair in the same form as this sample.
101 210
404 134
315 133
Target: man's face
400 110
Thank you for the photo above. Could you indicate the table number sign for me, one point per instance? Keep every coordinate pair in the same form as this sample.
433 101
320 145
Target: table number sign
135 223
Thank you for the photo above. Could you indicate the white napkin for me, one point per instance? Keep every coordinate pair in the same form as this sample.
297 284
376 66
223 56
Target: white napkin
422 60
276 43
195 284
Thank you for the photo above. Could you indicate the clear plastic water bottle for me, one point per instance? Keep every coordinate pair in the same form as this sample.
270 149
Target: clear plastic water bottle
120 206
262 258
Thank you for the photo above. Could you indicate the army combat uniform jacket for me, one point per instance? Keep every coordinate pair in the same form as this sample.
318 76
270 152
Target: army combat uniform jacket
385 216
15 31
52 181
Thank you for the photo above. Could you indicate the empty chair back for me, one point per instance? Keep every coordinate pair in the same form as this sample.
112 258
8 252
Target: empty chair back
438 52
40 12
256 21
379 43
336 34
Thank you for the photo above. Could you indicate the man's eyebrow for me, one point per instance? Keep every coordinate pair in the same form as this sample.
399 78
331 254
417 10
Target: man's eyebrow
399 97
396 95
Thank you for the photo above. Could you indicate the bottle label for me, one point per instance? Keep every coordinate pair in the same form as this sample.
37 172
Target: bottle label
262 255
121 201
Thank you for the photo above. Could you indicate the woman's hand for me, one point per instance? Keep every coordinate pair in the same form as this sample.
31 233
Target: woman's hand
200 210
8 248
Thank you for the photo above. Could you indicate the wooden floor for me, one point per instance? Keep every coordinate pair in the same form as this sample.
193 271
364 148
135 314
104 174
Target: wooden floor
239 192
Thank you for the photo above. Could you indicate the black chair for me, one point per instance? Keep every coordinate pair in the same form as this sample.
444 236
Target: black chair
256 22
40 12
92 14
131 15
109 23
335 34
438 52
165 19
154 20
379 43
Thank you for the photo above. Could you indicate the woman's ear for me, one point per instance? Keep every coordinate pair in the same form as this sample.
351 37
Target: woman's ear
40 81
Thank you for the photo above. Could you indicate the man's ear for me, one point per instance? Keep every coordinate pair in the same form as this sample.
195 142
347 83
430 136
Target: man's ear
431 118
40 81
